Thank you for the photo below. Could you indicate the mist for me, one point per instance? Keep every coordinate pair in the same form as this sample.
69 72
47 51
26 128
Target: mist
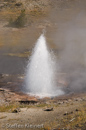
70 39
73 58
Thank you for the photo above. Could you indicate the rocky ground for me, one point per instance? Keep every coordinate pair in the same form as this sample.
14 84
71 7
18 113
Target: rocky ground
21 111
68 113
21 23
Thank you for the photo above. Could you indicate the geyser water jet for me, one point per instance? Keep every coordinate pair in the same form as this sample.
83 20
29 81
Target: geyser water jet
40 72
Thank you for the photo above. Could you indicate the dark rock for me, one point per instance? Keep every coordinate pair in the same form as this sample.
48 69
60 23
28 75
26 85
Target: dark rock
49 109
76 99
66 113
2 90
71 112
16 110
28 102
77 110
18 4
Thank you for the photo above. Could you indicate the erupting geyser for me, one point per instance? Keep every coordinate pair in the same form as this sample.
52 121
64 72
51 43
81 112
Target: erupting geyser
39 80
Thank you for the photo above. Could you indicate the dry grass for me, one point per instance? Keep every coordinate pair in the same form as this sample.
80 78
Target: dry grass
25 54
73 120
8 108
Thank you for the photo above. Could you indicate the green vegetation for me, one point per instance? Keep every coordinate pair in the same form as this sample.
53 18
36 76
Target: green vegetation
13 106
8 108
19 21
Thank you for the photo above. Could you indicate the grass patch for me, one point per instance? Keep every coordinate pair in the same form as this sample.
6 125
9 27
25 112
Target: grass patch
7 108
72 121
25 54
19 22
78 122
37 12
14 119
25 106
11 107
41 105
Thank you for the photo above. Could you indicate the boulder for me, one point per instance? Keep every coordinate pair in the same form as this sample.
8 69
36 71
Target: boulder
49 109
16 110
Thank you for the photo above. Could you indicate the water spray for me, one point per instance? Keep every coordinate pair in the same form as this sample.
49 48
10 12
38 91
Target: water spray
40 74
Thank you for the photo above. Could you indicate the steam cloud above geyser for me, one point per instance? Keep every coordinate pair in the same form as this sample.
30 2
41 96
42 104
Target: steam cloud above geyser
40 72
70 39
73 58
71 43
